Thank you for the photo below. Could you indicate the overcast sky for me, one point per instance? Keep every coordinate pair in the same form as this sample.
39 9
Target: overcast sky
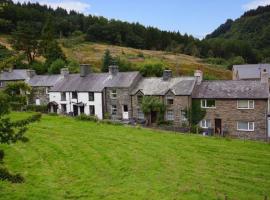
196 17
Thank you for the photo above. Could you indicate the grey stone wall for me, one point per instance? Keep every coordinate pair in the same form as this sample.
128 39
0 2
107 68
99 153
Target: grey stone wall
227 111
39 92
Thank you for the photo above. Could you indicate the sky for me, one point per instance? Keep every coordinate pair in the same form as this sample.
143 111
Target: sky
195 17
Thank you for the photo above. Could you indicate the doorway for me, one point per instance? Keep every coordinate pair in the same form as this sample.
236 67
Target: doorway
218 126
153 117
75 110
81 110
125 112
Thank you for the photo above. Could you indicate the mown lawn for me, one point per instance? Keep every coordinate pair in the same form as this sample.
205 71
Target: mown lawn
69 159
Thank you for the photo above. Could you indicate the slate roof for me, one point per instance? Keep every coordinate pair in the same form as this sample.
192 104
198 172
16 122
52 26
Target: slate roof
95 82
44 80
239 89
251 71
14 75
157 86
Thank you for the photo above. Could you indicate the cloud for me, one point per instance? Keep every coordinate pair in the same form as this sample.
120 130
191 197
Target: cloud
66 4
255 4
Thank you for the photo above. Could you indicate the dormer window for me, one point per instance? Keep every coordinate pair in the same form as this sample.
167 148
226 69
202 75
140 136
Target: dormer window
114 94
139 99
169 100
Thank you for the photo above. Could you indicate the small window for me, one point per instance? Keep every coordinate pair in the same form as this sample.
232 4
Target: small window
170 101
1 84
170 115
37 101
140 114
74 95
91 96
183 115
46 90
245 126
113 94
125 108
139 99
114 110
245 104
205 123
92 110
208 103
63 96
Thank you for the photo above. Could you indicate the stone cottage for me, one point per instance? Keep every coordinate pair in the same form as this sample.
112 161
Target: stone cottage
236 108
13 75
174 92
94 93
249 71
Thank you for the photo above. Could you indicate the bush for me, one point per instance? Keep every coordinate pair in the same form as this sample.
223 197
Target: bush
39 67
2 154
37 108
16 106
107 121
6 175
56 66
85 117
155 69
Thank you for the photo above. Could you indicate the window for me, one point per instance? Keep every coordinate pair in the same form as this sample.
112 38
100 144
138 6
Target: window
205 123
37 101
1 84
245 126
245 104
63 96
63 108
114 110
125 108
169 100
91 96
74 95
170 115
208 103
183 115
92 110
46 90
113 94
139 99
140 114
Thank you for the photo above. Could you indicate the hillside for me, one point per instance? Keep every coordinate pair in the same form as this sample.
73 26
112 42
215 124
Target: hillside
69 159
252 27
92 53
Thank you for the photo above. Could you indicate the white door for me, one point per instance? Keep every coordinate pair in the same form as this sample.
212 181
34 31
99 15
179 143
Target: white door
125 112
268 126
37 102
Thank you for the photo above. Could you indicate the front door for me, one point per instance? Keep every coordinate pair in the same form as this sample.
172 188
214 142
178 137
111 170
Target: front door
218 126
268 121
153 117
81 110
75 110
125 112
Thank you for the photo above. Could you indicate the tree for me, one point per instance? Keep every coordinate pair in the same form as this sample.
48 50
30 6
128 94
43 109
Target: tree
152 69
56 66
107 61
25 39
11 132
195 114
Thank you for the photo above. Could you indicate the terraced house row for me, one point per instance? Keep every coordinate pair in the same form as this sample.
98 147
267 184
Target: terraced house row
237 108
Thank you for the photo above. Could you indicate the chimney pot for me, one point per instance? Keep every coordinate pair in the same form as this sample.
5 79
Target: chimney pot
85 69
113 70
167 74
30 73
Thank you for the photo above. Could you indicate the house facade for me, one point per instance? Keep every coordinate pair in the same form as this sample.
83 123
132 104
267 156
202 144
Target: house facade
96 94
235 108
175 93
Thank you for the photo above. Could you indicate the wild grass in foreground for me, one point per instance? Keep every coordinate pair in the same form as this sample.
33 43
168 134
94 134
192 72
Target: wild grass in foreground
71 159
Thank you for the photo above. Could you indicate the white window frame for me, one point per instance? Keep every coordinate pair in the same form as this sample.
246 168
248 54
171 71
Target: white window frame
249 124
171 116
204 123
47 90
250 105
1 84
113 94
140 114
183 116
113 108
204 103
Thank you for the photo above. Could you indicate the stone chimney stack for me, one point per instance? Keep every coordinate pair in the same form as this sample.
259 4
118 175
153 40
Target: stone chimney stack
264 76
30 73
167 74
198 74
64 72
113 70
84 70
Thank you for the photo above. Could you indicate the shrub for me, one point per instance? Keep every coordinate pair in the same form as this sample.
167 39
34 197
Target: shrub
6 175
150 69
16 106
85 117
2 154
39 67
37 108
56 66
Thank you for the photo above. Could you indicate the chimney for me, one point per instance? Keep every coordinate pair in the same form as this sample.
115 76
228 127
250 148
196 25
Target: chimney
198 74
84 70
30 73
264 76
167 74
64 72
113 70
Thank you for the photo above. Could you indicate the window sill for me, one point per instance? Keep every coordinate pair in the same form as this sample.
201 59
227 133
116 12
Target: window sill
245 130
245 108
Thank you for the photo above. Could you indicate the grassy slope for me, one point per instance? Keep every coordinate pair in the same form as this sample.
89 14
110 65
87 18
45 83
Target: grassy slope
68 159
92 53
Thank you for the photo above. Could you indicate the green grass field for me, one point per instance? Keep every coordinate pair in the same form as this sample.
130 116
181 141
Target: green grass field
70 159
